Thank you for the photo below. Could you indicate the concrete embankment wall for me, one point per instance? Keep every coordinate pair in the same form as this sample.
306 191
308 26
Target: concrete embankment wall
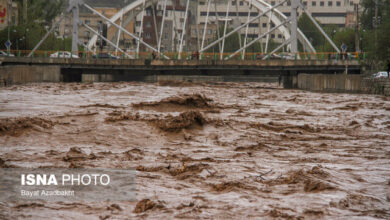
27 74
343 83
329 82
376 86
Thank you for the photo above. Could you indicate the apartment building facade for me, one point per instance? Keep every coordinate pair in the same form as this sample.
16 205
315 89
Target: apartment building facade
327 12
172 30
108 9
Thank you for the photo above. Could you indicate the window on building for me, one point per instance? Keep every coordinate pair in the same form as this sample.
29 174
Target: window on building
148 24
272 36
148 35
241 3
330 3
87 22
313 3
305 3
279 36
272 3
322 4
338 3
233 2
288 3
264 25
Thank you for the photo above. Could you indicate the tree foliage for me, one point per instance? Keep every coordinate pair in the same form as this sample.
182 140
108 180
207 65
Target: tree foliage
41 11
40 14
376 36
25 37
311 31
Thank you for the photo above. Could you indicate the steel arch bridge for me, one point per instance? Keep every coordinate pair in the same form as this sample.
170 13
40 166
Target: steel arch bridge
287 27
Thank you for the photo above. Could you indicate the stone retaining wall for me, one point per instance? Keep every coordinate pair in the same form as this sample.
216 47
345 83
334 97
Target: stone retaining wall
329 82
343 83
27 74
376 86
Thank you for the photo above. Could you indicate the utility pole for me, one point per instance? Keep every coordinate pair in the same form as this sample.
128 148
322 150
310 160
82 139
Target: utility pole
9 5
25 11
376 24
357 38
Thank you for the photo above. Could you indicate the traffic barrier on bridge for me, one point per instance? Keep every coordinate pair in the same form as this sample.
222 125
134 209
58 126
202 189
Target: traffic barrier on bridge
208 56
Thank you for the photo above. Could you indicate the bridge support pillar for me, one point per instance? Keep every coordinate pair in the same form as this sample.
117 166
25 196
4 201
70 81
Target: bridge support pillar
75 29
290 80
294 25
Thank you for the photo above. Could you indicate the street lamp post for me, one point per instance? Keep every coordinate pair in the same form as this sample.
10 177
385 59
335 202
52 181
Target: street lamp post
25 38
21 41
16 39
333 33
9 5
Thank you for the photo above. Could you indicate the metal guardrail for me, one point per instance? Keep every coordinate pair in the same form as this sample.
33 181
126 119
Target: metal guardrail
204 56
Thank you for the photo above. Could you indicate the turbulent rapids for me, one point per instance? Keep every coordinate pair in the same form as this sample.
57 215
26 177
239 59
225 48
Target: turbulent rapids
219 151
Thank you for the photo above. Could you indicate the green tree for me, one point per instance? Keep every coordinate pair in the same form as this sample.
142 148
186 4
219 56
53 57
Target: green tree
376 35
25 37
27 34
311 32
41 11
341 36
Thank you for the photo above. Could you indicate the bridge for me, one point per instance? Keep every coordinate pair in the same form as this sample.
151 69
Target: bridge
32 69
256 10
177 60
259 67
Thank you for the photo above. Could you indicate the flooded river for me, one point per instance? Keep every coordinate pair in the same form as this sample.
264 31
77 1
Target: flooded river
213 151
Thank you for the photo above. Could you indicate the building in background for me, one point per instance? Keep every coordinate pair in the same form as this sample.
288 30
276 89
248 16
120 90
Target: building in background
8 10
108 9
173 25
340 13
327 12
197 32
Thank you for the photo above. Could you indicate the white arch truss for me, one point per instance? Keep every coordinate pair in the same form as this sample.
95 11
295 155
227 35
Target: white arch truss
276 16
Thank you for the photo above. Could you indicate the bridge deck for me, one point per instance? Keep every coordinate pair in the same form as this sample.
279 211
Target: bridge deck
306 66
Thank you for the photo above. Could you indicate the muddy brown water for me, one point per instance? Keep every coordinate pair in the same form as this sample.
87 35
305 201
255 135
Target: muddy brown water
213 151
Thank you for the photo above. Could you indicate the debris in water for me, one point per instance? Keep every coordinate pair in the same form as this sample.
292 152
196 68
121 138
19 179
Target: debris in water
184 120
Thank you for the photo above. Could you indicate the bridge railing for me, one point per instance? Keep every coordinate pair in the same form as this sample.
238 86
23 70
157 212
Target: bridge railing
196 56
